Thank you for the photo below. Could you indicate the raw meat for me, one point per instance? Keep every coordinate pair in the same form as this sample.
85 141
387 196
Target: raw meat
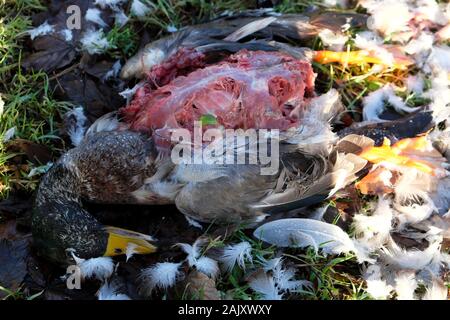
250 89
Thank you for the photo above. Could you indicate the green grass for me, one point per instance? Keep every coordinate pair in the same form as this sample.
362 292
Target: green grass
333 277
181 13
18 294
297 6
124 42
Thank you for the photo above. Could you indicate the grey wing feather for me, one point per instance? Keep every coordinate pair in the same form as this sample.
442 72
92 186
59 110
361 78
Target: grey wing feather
343 172
250 28
354 143
227 198
107 122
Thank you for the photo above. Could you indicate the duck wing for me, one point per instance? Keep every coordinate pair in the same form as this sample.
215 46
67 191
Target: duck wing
226 199
219 34
324 180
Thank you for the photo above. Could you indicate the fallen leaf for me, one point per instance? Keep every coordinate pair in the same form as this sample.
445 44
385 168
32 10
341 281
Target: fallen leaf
300 233
54 54
36 153
52 51
17 205
13 269
96 97
8 230
200 286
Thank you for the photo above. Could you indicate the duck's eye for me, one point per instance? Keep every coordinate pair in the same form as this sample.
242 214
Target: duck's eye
118 251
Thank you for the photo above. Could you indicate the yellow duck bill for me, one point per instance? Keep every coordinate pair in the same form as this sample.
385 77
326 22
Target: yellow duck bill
121 241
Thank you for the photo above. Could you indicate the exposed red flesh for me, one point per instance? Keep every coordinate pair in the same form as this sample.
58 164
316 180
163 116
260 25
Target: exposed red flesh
250 89
181 63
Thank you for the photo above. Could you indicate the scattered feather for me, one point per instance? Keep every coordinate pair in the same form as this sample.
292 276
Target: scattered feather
77 130
376 286
273 281
120 18
193 223
433 11
405 285
284 279
94 15
41 30
202 263
439 94
236 254
67 34
94 42
40 170
171 28
415 84
374 103
114 72
411 186
9 134
131 250
413 259
113 4
265 286
140 9
208 266
440 58
332 40
314 135
162 275
388 16
374 230
367 40
344 4
129 93
422 44
269 265
100 268
301 233
414 212
108 291
436 291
